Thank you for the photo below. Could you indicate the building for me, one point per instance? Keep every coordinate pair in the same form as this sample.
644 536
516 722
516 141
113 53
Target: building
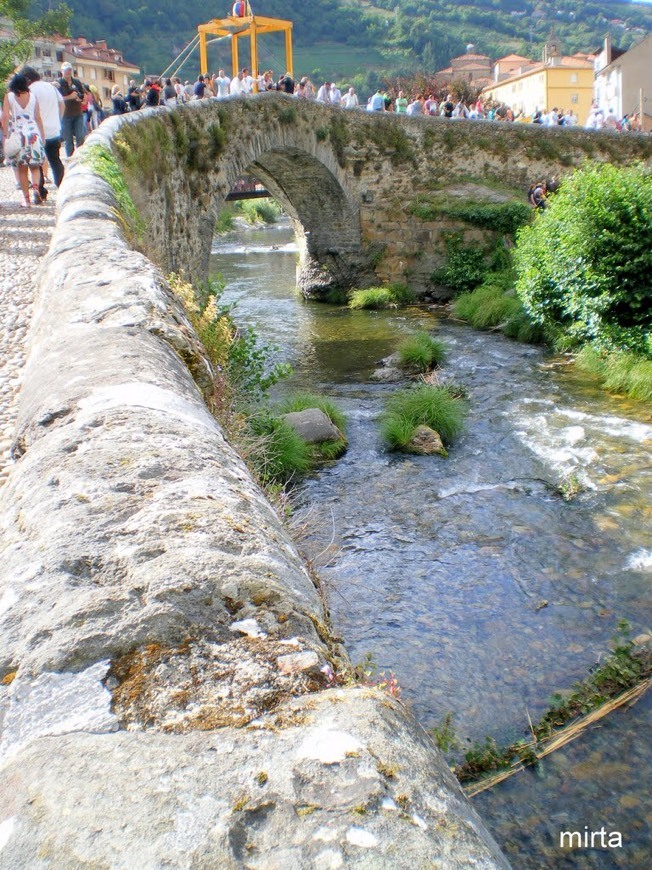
511 64
623 80
97 64
93 63
468 67
557 81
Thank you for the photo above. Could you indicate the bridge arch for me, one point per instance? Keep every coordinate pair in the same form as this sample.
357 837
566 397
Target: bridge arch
351 181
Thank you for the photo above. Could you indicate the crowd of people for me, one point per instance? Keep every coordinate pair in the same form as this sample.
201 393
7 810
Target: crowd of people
37 116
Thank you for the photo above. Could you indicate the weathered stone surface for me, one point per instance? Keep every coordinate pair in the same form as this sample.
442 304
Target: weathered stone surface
344 779
313 426
387 375
147 585
426 442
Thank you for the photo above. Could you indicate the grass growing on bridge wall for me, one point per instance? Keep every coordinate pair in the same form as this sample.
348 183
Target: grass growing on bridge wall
102 162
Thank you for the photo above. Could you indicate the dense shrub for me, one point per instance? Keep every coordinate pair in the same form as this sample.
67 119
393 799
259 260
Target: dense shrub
464 269
259 211
501 217
585 265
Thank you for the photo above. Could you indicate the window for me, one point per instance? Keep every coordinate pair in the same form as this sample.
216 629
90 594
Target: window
93 72
37 51
59 56
573 78
575 98
108 74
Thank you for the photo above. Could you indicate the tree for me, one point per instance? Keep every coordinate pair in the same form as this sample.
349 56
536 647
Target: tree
585 265
14 52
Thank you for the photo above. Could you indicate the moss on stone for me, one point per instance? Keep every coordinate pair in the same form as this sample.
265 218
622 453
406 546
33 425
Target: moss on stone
102 162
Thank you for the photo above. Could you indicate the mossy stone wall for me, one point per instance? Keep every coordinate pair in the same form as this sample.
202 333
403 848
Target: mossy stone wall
349 179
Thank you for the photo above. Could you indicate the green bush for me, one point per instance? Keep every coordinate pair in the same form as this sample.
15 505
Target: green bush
381 297
259 211
424 405
224 222
421 351
275 450
585 265
464 269
501 217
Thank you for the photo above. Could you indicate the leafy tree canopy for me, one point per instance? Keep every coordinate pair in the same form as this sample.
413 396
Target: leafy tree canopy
26 25
585 265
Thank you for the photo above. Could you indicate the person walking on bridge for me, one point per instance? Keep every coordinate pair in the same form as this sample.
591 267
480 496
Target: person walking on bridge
51 107
73 123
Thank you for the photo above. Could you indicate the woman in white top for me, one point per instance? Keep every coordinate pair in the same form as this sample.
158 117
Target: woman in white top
21 116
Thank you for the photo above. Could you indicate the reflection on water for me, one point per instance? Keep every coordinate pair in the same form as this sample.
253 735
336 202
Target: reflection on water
470 578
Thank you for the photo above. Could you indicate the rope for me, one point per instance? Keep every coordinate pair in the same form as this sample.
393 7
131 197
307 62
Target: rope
189 48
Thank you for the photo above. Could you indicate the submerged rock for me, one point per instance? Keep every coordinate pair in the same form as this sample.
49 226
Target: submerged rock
426 442
387 375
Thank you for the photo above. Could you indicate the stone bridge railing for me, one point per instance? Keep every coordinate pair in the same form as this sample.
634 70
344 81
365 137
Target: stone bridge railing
166 666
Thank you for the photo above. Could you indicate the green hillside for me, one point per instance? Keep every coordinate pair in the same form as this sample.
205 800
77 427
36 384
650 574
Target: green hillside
338 38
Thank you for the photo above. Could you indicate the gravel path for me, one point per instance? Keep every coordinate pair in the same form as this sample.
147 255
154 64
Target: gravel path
24 239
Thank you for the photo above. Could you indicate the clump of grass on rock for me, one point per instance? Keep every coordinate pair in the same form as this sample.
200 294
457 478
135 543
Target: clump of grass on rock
323 450
391 296
421 352
275 450
425 405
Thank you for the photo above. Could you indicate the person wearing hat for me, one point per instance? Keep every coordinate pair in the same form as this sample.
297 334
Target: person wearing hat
73 123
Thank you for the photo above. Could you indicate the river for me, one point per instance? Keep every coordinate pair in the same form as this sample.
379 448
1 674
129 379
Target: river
471 578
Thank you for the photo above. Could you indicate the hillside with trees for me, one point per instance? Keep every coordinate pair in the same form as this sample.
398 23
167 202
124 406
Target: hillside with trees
338 38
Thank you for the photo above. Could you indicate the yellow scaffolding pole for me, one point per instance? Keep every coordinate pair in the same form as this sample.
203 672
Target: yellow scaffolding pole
250 26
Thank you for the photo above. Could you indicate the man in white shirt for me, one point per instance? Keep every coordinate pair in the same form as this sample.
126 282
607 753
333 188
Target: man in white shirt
247 82
350 99
323 94
416 106
335 95
235 88
51 107
222 83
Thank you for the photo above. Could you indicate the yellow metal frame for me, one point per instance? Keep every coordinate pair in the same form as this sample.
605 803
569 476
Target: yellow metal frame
249 26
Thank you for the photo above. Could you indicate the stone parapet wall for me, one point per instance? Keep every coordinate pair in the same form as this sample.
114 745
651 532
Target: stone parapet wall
169 691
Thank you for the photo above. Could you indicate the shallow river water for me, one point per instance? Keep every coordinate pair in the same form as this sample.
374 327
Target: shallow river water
470 578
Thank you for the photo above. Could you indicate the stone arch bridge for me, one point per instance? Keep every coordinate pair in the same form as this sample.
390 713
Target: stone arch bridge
350 180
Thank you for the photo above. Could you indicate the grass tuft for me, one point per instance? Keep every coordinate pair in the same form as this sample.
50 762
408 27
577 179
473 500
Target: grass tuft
324 450
424 405
421 351
381 297
619 371
303 401
277 452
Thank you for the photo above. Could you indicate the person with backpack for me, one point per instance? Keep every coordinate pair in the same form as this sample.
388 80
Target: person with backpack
73 123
